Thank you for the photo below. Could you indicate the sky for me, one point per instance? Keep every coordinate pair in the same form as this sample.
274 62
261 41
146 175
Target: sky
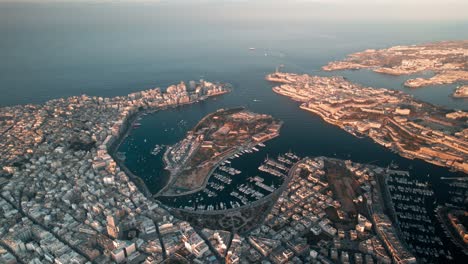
298 9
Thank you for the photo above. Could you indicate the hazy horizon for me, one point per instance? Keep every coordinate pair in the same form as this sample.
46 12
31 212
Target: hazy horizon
337 10
102 160
114 48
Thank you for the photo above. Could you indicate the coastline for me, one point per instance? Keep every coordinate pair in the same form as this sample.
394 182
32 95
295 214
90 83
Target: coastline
461 92
141 185
445 59
205 182
224 156
127 126
251 204
406 153
172 177
394 145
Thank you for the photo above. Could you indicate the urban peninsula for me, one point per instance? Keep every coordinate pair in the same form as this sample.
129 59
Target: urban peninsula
64 199
215 138
393 119
448 60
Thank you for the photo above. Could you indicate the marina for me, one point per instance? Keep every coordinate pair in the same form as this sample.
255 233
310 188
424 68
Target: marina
79 63
413 201
157 149
310 138
458 193
231 187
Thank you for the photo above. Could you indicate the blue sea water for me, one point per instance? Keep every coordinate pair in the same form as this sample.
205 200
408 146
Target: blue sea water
57 50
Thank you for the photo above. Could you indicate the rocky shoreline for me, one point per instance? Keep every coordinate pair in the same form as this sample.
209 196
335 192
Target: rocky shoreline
461 92
448 60
388 117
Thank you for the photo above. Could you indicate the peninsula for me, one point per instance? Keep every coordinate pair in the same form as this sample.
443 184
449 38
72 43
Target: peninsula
448 60
216 137
461 92
393 119
64 197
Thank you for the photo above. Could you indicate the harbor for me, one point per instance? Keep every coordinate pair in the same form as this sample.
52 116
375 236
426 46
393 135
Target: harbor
413 201
83 150
231 186
307 142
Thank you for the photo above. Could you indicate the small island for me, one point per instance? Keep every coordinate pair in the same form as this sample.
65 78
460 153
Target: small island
461 92
393 119
215 138
448 60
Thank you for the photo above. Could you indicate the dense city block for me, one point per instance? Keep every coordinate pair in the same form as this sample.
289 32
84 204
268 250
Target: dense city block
63 197
448 60
393 119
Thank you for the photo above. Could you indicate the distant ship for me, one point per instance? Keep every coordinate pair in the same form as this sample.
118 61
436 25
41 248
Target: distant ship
251 48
